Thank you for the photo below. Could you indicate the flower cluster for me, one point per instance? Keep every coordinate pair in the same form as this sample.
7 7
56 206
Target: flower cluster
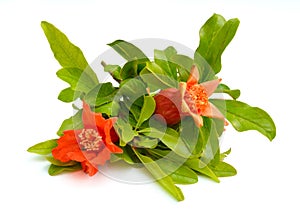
162 114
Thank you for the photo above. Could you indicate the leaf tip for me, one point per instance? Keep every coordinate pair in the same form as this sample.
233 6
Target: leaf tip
272 136
43 24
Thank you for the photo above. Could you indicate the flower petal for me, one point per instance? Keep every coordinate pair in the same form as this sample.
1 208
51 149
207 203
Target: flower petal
213 112
194 76
102 157
89 168
108 142
76 155
65 144
210 86
185 109
197 119
184 106
91 119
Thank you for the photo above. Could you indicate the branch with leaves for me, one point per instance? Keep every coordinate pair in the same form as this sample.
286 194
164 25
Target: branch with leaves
162 115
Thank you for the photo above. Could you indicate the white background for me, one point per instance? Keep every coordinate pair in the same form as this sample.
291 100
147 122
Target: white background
262 60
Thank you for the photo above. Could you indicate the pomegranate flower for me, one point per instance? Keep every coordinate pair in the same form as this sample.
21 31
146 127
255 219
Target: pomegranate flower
195 96
92 145
192 99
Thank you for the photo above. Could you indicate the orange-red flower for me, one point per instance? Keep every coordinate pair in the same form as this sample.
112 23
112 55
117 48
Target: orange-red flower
191 99
195 96
92 145
168 105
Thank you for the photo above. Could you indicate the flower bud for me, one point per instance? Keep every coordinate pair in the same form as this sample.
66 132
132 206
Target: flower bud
168 105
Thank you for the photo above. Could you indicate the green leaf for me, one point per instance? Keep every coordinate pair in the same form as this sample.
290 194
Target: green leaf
184 175
222 88
115 70
215 35
145 142
180 174
77 78
223 169
68 95
129 70
169 137
155 78
203 136
59 163
190 134
66 53
243 117
147 110
162 58
55 170
133 89
220 125
101 94
225 154
43 148
124 130
128 156
164 180
197 165
72 123
211 151
104 109
128 51
184 64
130 92
114 158
135 110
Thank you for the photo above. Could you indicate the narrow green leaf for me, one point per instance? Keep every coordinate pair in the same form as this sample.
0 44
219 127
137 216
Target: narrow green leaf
204 133
243 117
211 151
147 110
114 158
104 109
225 154
68 95
164 180
130 92
189 133
72 123
223 169
135 110
77 78
101 94
128 156
59 163
133 89
43 148
180 174
55 170
129 70
222 88
163 59
66 53
155 78
145 142
184 65
215 35
169 137
124 130
115 70
184 175
128 51
197 165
